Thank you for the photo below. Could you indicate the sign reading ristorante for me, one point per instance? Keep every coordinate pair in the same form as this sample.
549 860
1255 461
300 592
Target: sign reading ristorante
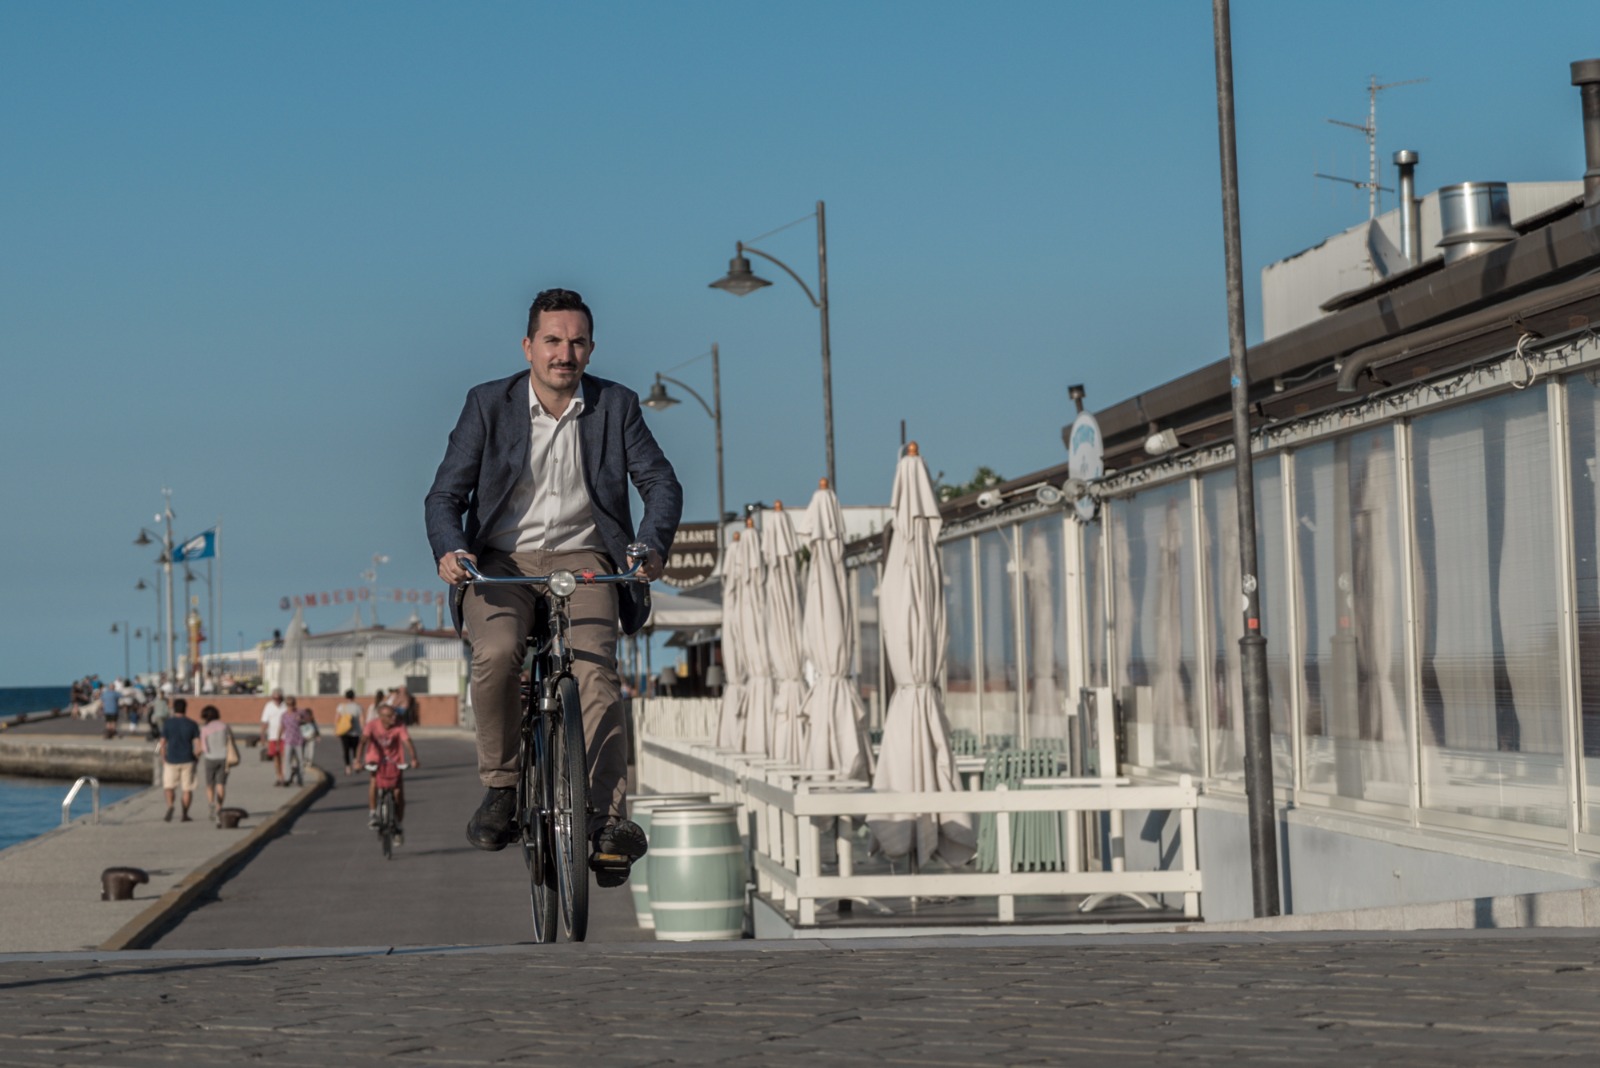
693 557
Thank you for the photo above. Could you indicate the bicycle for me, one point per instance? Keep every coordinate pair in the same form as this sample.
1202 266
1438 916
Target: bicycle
388 820
552 769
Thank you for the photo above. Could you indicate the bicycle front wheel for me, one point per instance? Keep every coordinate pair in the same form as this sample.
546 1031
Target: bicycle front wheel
386 823
533 818
570 775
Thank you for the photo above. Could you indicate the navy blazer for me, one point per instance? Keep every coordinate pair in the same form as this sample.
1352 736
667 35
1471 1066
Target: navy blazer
488 451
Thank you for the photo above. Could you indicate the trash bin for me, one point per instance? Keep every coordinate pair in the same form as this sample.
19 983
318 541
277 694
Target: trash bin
696 874
640 810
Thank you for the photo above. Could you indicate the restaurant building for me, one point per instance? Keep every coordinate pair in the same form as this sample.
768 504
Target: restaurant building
1425 413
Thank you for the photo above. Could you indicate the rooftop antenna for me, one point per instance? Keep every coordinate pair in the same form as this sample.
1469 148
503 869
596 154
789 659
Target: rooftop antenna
1370 129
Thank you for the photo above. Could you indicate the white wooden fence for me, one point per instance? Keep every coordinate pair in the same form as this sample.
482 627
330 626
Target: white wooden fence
790 810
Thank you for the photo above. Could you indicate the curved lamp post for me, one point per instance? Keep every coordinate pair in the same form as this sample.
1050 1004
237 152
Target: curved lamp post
740 280
145 537
122 629
660 400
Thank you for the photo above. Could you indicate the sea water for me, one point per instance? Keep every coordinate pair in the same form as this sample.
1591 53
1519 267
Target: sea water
29 806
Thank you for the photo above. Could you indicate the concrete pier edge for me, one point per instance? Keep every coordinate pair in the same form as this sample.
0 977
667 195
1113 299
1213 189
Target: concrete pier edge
148 925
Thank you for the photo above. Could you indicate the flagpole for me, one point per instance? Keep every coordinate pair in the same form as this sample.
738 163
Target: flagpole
216 607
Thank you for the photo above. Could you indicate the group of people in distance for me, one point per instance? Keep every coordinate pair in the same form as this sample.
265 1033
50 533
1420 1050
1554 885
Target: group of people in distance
378 737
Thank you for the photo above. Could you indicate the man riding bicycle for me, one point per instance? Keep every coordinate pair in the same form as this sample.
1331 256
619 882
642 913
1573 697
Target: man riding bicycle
535 478
386 745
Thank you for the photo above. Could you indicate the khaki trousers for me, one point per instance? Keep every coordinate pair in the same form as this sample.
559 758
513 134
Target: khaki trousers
498 619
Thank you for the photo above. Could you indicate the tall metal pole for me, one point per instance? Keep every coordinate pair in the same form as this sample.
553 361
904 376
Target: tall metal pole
166 566
716 417
1253 646
827 357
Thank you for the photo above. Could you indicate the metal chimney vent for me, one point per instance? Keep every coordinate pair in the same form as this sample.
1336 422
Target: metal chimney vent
1474 217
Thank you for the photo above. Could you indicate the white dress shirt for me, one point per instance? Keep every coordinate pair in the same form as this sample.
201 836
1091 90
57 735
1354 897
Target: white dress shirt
549 509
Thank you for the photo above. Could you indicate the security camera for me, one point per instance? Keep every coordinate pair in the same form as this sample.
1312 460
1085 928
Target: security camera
989 499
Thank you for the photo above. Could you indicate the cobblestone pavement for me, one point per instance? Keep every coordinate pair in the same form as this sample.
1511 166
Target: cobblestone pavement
1466 999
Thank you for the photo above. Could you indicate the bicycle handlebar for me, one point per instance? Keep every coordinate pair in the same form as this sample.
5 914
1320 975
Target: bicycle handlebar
637 552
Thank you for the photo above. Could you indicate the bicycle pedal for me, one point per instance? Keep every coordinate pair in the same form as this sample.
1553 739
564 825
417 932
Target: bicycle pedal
605 861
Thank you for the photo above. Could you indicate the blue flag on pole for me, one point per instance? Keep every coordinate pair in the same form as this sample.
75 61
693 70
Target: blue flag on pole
198 547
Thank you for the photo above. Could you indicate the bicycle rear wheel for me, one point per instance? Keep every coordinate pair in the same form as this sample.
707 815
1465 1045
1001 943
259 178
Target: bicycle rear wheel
533 804
570 775
386 823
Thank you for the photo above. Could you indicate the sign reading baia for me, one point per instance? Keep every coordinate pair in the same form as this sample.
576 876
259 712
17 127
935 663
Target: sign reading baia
693 557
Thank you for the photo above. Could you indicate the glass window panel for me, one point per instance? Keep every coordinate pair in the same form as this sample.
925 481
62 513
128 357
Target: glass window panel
1097 630
1583 421
997 593
1227 618
869 645
1353 672
1488 612
1045 629
961 659
1153 554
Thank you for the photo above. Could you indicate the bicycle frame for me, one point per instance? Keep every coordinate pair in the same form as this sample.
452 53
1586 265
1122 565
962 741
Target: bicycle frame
553 794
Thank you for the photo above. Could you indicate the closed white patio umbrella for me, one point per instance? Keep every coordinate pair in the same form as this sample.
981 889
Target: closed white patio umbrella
779 546
835 721
730 726
915 756
756 702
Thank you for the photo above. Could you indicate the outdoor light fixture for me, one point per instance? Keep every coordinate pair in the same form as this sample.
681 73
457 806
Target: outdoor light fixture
740 281
1047 495
1077 394
1160 442
659 399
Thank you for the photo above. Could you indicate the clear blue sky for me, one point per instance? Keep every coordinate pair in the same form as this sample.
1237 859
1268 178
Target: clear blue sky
257 253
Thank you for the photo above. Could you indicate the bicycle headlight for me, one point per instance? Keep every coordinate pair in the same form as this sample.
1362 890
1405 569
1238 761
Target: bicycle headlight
563 583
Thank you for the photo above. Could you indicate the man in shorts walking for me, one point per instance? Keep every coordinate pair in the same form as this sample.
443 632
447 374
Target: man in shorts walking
180 749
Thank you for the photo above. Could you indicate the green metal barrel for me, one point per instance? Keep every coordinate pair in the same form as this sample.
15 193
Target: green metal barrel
640 810
697 873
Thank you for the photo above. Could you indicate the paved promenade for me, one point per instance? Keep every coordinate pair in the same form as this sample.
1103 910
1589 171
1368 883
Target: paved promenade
319 951
1483 999
52 886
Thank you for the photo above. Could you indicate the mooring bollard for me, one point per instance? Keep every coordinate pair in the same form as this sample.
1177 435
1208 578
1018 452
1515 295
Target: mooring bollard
230 817
116 884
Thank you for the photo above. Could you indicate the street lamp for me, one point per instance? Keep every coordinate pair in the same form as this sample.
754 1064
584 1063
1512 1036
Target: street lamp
660 400
145 537
740 280
127 671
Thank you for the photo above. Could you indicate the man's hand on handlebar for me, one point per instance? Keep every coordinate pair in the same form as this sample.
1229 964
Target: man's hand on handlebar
450 568
651 566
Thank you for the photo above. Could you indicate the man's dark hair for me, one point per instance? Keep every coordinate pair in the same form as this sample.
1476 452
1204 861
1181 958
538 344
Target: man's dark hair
210 713
349 695
554 300
180 706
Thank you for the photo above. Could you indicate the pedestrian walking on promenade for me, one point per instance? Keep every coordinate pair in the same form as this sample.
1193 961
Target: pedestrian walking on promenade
218 753
404 705
109 700
347 726
180 749
272 733
309 734
293 742
372 710
160 709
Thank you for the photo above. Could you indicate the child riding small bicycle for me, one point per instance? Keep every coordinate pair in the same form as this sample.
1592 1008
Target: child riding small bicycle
386 745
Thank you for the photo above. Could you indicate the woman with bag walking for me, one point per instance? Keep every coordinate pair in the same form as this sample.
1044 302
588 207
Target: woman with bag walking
347 725
218 752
